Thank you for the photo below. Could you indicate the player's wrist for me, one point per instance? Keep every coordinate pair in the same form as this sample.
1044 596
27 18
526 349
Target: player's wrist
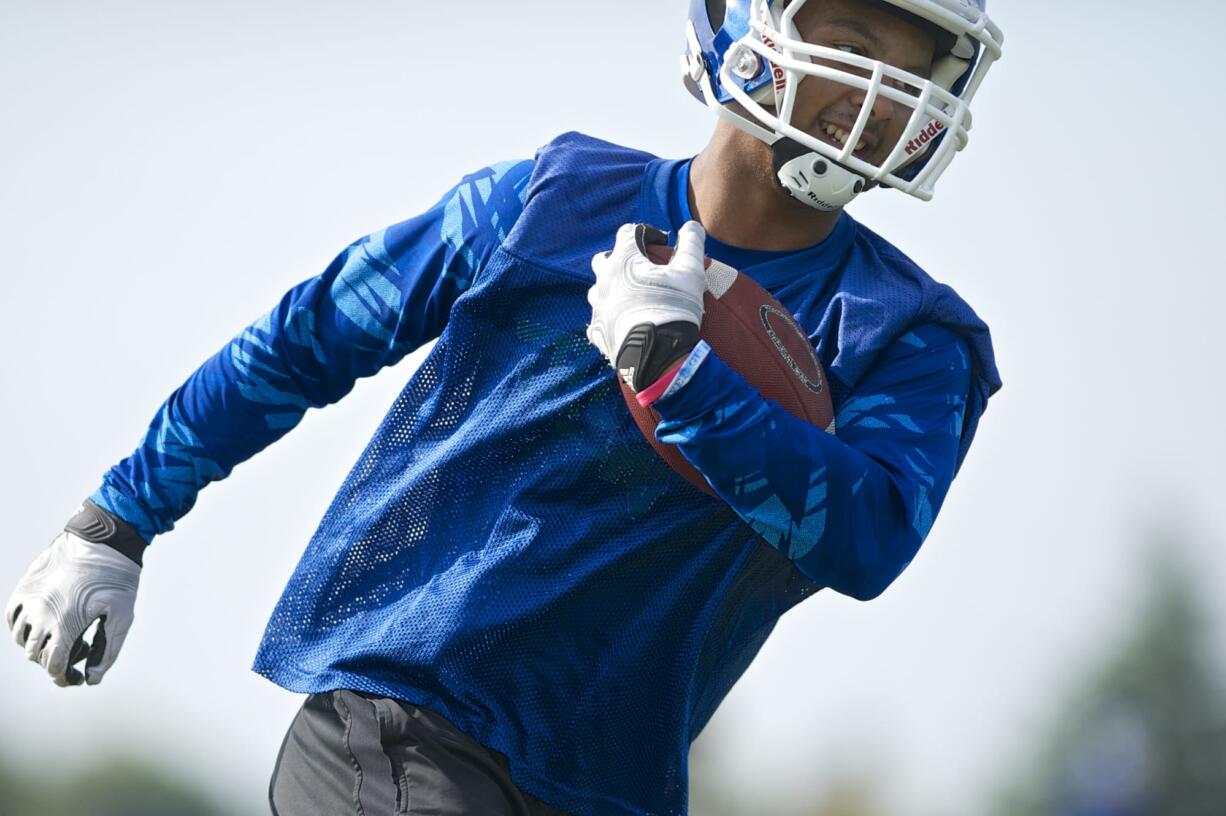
649 351
649 395
99 526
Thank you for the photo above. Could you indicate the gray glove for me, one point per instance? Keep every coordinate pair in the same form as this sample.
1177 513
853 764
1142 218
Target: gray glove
84 576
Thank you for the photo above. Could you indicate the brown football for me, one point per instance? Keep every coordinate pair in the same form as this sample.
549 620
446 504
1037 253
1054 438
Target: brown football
755 335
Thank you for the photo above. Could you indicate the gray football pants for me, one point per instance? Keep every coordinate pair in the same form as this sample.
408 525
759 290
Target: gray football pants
349 753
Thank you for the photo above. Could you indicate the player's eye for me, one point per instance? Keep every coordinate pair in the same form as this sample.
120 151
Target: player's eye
906 87
850 48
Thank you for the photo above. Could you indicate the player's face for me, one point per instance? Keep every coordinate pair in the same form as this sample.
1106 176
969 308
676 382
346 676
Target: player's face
824 107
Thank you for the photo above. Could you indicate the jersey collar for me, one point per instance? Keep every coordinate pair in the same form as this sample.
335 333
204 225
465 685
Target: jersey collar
664 202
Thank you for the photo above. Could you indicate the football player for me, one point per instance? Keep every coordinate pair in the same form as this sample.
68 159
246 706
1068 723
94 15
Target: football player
513 605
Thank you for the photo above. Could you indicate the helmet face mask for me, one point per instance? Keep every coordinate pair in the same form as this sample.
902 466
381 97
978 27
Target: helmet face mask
754 81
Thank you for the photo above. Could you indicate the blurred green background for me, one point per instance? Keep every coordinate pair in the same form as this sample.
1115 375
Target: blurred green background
1142 732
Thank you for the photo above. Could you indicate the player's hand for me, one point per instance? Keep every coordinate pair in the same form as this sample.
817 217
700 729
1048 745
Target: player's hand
645 315
70 585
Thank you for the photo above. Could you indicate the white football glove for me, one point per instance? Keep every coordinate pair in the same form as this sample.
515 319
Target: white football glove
645 315
70 585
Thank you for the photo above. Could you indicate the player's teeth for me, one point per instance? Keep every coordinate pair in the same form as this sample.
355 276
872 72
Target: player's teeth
831 130
841 136
860 146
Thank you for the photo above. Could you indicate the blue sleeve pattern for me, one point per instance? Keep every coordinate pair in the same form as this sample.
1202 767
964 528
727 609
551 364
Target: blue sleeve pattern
382 297
850 510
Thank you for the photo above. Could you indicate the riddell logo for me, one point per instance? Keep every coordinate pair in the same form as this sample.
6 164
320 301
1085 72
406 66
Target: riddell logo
826 205
925 136
781 79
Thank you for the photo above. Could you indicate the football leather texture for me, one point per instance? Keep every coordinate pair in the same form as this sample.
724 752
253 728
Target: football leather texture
757 337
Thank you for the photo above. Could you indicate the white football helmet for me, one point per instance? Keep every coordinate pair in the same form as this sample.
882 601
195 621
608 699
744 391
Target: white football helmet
750 52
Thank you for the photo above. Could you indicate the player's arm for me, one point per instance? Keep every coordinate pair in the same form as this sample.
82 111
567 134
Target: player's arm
382 297
850 510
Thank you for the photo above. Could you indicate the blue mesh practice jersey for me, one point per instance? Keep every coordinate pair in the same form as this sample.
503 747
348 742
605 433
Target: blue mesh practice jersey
508 550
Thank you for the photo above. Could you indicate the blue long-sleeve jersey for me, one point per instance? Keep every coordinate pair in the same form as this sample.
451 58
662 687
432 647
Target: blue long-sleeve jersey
382 297
509 551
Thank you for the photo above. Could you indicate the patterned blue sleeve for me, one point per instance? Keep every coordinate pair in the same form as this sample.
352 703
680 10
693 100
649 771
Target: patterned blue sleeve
850 510
381 298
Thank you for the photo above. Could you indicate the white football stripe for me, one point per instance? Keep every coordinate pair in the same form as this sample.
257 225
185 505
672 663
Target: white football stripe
720 278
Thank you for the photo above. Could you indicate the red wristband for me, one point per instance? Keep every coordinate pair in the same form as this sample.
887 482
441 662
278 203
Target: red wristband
653 392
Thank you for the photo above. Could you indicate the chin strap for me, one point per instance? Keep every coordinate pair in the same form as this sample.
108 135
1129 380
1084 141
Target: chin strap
812 178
